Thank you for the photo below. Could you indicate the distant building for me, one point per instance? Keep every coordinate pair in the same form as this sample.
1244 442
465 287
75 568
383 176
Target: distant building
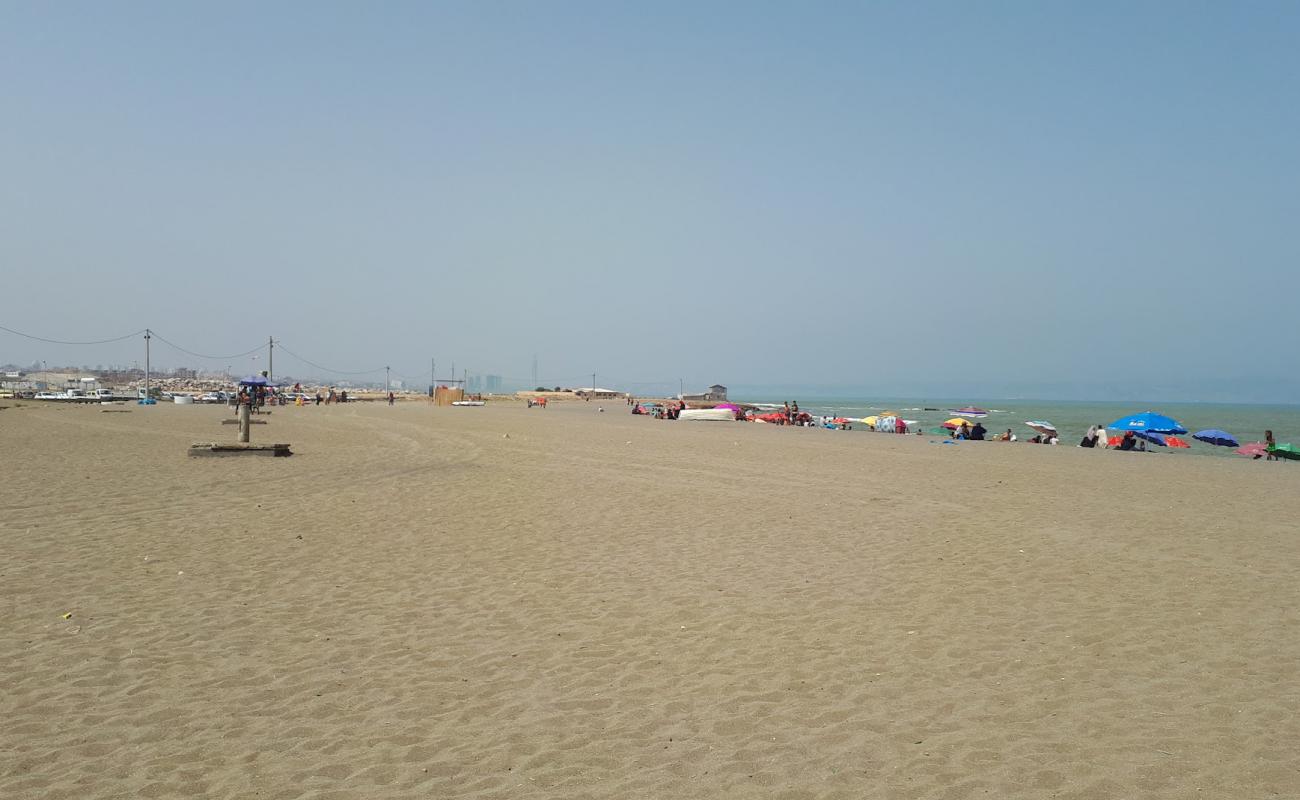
598 393
474 384
492 384
717 393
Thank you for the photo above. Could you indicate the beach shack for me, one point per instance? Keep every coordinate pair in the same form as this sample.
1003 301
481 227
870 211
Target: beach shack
717 393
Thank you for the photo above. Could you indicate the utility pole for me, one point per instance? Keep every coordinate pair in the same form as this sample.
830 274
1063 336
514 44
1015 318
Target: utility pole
386 369
681 388
147 336
593 385
535 383
433 376
270 359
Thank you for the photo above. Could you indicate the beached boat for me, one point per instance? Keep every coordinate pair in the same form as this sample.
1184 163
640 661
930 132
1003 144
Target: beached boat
709 414
469 403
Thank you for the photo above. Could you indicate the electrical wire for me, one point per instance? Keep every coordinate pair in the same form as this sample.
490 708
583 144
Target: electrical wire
59 341
156 335
327 369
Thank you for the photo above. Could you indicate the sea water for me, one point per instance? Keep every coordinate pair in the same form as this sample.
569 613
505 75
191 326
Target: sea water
1072 419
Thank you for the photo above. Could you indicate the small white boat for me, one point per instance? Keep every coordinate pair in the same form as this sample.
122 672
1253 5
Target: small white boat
709 414
469 403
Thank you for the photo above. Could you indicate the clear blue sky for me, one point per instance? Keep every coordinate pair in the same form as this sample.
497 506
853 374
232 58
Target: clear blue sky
1027 197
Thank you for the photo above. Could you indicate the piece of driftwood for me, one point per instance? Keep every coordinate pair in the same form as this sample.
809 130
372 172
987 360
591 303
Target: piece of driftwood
250 422
220 449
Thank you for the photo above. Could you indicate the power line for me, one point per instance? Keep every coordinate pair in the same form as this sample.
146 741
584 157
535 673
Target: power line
327 369
201 355
59 341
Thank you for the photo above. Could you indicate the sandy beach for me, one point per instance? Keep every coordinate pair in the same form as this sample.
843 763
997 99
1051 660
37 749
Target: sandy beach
502 602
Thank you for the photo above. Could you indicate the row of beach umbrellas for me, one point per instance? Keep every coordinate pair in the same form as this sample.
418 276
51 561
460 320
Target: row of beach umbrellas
1158 429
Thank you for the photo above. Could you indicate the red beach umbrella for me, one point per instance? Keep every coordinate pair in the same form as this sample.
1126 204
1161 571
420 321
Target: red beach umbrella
1252 449
1174 441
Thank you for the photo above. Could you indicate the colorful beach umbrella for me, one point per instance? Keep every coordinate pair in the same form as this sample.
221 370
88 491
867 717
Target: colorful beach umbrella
1217 437
1157 439
1148 421
1042 426
1288 451
1252 449
870 422
938 432
956 422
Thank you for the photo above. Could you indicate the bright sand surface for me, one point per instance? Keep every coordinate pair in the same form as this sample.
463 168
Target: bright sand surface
417 605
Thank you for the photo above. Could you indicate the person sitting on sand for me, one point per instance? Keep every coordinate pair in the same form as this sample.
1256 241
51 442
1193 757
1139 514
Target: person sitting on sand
1128 442
977 432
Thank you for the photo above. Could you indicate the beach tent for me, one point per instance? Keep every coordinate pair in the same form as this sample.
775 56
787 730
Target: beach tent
887 424
1216 437
255 380
1148 421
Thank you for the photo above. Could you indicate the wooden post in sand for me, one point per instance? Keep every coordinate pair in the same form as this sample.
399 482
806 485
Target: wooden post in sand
245 422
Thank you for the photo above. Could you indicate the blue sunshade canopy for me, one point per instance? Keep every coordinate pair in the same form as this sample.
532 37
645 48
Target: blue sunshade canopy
1216 437
1148 421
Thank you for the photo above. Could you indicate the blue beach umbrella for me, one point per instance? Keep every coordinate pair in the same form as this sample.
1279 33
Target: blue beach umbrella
255 380
1148 421
1216 437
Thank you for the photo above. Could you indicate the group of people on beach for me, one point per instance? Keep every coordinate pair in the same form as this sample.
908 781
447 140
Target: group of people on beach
975 432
